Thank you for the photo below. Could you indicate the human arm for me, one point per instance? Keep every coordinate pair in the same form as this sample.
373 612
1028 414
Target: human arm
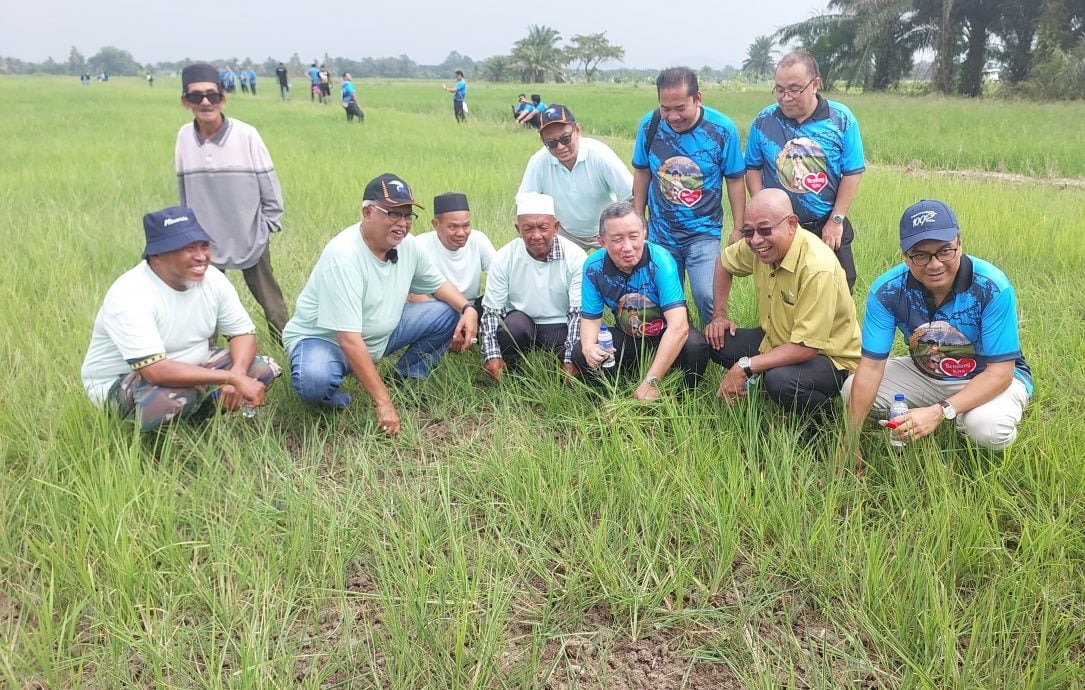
271 193
589 342
670 345
467 327
642 178
171 373
365 370
732 386
736 198
719 325
832 233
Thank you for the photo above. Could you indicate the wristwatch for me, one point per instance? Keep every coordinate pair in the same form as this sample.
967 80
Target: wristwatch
746 365
652 381
837 218
948 411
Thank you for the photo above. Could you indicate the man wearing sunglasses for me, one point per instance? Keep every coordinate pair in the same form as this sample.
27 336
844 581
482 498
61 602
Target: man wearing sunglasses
353 309
810 148
808 339
225 173
581 174
958 316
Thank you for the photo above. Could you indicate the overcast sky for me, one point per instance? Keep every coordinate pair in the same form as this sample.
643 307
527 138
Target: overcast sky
654 34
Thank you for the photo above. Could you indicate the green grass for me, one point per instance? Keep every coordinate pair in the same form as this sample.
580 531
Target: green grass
522 535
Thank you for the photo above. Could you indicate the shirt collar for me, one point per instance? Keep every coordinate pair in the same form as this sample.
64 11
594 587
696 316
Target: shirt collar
791 260
821 112
610 269
218 137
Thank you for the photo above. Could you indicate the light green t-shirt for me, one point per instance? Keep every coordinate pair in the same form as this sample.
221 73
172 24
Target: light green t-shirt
352 291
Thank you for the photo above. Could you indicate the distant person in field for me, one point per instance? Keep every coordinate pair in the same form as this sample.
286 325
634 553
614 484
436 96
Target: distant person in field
230 80
583 175
532 295
225 172
688 145
283 76
150 79
243 79
807 340
353 310
809 147
522 104
638 281
957 315
460 252
84 79
459 97
150 358
315 92
252 80
325 85
349 95
529 117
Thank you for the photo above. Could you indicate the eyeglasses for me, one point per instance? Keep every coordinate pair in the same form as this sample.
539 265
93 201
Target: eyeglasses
564 140
764 232
196 97
943 255
792 92
396 216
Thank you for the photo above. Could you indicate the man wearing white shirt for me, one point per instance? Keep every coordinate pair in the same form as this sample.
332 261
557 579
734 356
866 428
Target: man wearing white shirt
581 174
532 291
461 253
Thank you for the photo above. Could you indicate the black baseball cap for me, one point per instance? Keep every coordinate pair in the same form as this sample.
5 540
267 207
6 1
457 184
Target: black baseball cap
391 190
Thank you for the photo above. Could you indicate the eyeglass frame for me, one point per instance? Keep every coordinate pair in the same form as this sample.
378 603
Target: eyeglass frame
764 232
924 258
396 216
213 97
791 93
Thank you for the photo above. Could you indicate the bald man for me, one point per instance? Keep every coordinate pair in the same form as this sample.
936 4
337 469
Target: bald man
808 339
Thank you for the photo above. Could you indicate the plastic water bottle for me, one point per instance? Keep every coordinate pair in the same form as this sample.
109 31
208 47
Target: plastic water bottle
248 411
898 408
606 341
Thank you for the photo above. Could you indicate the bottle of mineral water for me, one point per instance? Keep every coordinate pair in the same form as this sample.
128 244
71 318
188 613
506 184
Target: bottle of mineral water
606 341
898 408
248 411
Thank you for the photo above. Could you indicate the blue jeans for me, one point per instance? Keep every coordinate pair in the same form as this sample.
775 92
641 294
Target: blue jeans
699 260
317 366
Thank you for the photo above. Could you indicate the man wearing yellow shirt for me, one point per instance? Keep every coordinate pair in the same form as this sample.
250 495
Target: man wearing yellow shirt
808 339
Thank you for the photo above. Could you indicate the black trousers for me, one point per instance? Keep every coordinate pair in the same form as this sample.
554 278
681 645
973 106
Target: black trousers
353 111
843 255
457 110
692 358
805 387
520 333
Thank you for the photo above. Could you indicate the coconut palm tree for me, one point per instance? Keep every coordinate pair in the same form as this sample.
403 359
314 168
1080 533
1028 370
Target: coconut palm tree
760 58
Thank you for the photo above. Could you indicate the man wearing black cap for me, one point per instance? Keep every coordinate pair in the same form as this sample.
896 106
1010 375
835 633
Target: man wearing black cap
149 357
225 173
353 310
461 254
581 174
958 316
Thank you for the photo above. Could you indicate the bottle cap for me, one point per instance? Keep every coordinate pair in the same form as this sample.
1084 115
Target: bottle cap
898 397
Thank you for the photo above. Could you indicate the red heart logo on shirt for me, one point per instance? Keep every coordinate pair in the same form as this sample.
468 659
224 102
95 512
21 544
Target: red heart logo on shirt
654 327
689 196
815 182
957 368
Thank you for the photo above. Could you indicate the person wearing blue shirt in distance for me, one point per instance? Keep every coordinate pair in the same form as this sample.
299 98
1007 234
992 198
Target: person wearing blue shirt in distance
459 97
314 83
532 114
958 316
252 80
638 281
809 147
243 78
684 154
350 99
521 105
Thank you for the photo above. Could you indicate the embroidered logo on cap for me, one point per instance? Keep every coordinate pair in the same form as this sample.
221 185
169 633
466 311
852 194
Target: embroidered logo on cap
924 217
170 221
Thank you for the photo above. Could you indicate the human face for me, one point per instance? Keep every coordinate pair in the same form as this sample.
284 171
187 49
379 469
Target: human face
184 268
208 115
554 138
453 228
385 227
537 231
794 78
679 109
623 239
937 276
771 248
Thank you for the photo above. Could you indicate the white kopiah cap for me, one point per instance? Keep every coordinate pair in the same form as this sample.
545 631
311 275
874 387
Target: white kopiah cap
533 203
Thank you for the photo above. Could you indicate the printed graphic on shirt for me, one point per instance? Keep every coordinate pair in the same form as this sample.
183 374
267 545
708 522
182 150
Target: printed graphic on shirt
941 351
681 180
801 166
639 316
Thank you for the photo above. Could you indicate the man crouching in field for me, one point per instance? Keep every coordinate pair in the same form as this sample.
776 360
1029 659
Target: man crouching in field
958 315
150 358
353 310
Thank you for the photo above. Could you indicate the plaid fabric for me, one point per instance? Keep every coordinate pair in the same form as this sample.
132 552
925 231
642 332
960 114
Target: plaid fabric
574 335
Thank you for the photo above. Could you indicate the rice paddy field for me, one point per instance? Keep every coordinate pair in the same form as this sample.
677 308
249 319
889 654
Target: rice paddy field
522 534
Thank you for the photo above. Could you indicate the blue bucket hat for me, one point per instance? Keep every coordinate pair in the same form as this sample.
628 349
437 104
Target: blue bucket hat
170 229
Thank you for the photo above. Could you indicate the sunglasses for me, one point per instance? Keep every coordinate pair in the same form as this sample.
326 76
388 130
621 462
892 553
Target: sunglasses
196 97
764 232
563 140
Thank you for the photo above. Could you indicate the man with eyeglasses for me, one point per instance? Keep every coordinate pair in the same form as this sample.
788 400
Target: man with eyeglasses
958 317
582 175
225 173
684 155
353 309
809 147
808 339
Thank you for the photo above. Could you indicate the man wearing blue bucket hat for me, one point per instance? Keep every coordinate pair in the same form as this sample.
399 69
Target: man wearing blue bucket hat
150 358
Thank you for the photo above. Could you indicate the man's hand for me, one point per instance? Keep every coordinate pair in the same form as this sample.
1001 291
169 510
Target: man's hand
716 330
466 330
495 368
646 392
916 423
732 387
570 372
595 355
388 418
250 390
831 234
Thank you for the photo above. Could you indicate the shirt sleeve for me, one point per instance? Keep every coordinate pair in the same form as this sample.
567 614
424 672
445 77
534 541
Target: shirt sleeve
130 324
878 328
427 277
738 259
668 282
733 164
852 161
640 158
232 317
271 193
999 332
486 251
618 178
754 159
591 302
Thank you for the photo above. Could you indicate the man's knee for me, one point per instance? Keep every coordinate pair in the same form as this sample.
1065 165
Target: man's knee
265 370
991 429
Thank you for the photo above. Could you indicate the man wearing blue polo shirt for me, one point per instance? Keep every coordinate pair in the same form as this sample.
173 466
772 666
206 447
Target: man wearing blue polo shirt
639 282
683 154
459 96
958 316
314 83
810 148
